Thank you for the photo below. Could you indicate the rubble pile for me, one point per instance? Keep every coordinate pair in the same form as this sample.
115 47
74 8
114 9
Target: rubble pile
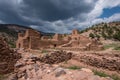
29 69
7 57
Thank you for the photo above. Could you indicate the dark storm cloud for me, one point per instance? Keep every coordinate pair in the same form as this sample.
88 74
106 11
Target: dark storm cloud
9 14
52 10
44 14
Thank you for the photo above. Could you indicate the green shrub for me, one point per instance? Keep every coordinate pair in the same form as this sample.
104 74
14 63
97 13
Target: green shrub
11 44
117 36
91 35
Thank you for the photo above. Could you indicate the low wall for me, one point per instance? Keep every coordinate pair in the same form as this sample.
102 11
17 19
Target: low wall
55 57
104 61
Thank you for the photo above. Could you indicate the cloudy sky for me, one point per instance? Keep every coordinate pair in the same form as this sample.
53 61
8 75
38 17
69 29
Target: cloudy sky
58 15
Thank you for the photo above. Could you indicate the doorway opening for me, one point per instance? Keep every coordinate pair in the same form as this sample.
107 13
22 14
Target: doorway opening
55 45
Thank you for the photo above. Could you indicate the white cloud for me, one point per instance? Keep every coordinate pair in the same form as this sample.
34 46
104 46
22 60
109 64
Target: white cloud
100 5
1 22
115 17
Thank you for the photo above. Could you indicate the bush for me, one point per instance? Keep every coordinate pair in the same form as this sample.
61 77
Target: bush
104 35
117 36
11 44
98 36
91 35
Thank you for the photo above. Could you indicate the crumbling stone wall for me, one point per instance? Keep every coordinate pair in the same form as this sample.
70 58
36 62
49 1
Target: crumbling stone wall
50 43
57 37
56 57
45 38
100 60
7 58
94 45
28 40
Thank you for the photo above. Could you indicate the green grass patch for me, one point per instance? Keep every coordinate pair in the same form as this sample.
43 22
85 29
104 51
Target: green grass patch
2 77
44 51
115 77
115 46
103 74
74 67
100 73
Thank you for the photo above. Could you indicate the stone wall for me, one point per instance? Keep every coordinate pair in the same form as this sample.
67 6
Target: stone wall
100 60
28 40
31 32
56 57
57 37
34 43
50 43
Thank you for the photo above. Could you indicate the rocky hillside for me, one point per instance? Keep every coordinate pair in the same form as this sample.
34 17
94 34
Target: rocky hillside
10 31
103 30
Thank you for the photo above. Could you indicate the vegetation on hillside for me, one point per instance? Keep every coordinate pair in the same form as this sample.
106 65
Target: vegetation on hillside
114 46
10 32
105 30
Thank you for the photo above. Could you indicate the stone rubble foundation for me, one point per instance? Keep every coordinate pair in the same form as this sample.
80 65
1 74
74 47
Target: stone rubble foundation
8 58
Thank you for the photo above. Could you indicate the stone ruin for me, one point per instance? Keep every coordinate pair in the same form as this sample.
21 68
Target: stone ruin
30 68
55 57
32 39
100 60
7 57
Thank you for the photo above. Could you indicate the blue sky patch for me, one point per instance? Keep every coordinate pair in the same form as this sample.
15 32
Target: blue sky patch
109 12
